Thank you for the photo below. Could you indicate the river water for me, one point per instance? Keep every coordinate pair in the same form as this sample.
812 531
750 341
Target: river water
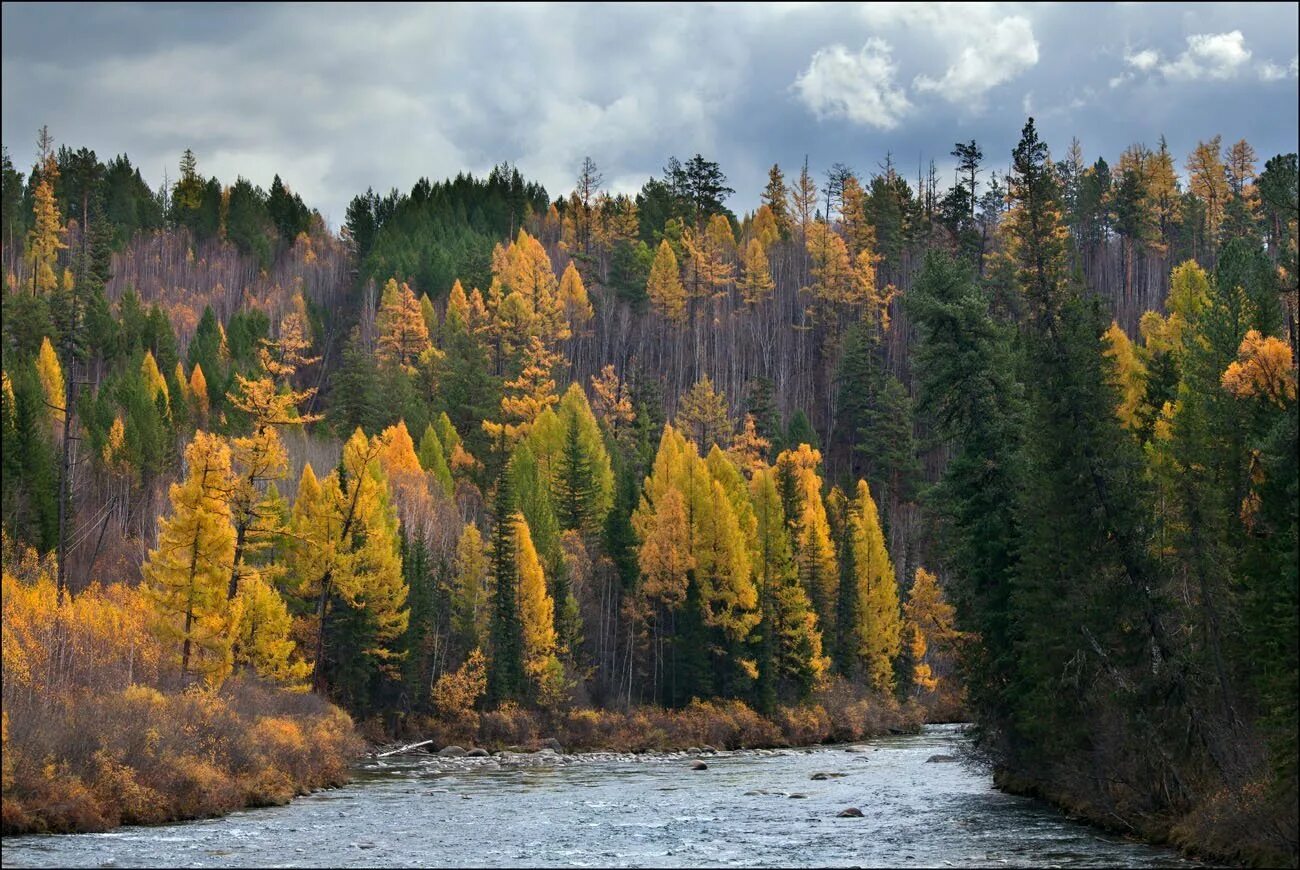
747 809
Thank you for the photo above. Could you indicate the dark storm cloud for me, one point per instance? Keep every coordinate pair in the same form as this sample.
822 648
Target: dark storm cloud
340 98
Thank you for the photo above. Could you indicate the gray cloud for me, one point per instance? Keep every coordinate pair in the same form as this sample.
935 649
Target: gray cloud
338 98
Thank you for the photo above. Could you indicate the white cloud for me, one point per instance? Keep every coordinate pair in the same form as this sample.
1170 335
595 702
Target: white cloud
1143 61
1271 72
859 87
984 48
1209 56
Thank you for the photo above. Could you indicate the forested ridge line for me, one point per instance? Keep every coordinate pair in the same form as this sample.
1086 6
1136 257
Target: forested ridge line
484 458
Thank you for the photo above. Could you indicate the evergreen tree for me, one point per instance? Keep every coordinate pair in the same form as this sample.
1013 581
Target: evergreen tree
506 665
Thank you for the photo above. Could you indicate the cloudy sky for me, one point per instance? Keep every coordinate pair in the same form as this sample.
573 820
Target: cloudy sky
338 98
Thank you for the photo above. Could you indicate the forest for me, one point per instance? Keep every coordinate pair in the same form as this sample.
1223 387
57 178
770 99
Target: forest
637 472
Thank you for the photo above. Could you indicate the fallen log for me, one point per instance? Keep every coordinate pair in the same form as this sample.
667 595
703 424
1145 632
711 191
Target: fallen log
404 749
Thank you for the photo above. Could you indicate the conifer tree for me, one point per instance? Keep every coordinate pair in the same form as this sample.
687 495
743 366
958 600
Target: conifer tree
800 487
258 458
506 665
756 284
537 619
262 639
433 459
403 337
470 597
790 658
185 576
702 415
573 297
44 239
879 620
775 196
346 557
664 286
51 375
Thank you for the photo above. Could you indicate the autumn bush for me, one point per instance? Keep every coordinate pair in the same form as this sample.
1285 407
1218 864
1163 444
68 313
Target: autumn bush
97 734
722 724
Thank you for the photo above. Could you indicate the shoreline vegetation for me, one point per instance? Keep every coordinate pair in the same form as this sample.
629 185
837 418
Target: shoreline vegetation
98 730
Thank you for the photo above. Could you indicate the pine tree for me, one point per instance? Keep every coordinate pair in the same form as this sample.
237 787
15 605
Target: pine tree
506 665
775 196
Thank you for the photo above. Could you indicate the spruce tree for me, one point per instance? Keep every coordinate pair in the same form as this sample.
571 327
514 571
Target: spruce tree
506 666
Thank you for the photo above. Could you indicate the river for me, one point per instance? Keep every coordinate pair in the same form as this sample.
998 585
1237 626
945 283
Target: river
747 809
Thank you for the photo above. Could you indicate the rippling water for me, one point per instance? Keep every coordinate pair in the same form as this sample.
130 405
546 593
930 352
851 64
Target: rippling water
747 809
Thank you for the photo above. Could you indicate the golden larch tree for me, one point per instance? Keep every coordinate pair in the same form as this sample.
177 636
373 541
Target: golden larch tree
185 577
879 619
664 286
403 336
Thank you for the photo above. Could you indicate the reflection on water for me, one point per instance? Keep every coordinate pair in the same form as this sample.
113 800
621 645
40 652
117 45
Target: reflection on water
747 809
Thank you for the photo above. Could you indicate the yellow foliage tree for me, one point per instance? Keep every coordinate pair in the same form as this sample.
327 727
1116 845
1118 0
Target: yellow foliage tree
1263 367
403 336
51 376
154 381
456 693
185 576
1209 181
756 285
470 600
573 296
831 269
1127 375
610 401
258 459
525 268
263 640
702 415
528 395
199 393
346 543
44 239
928 620
664 286
879 620
537 616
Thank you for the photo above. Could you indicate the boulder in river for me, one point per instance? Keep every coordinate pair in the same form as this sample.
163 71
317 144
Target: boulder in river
850 813
706 748
552 743
452 751
936 759
477 752
699 765
819 776
797 795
